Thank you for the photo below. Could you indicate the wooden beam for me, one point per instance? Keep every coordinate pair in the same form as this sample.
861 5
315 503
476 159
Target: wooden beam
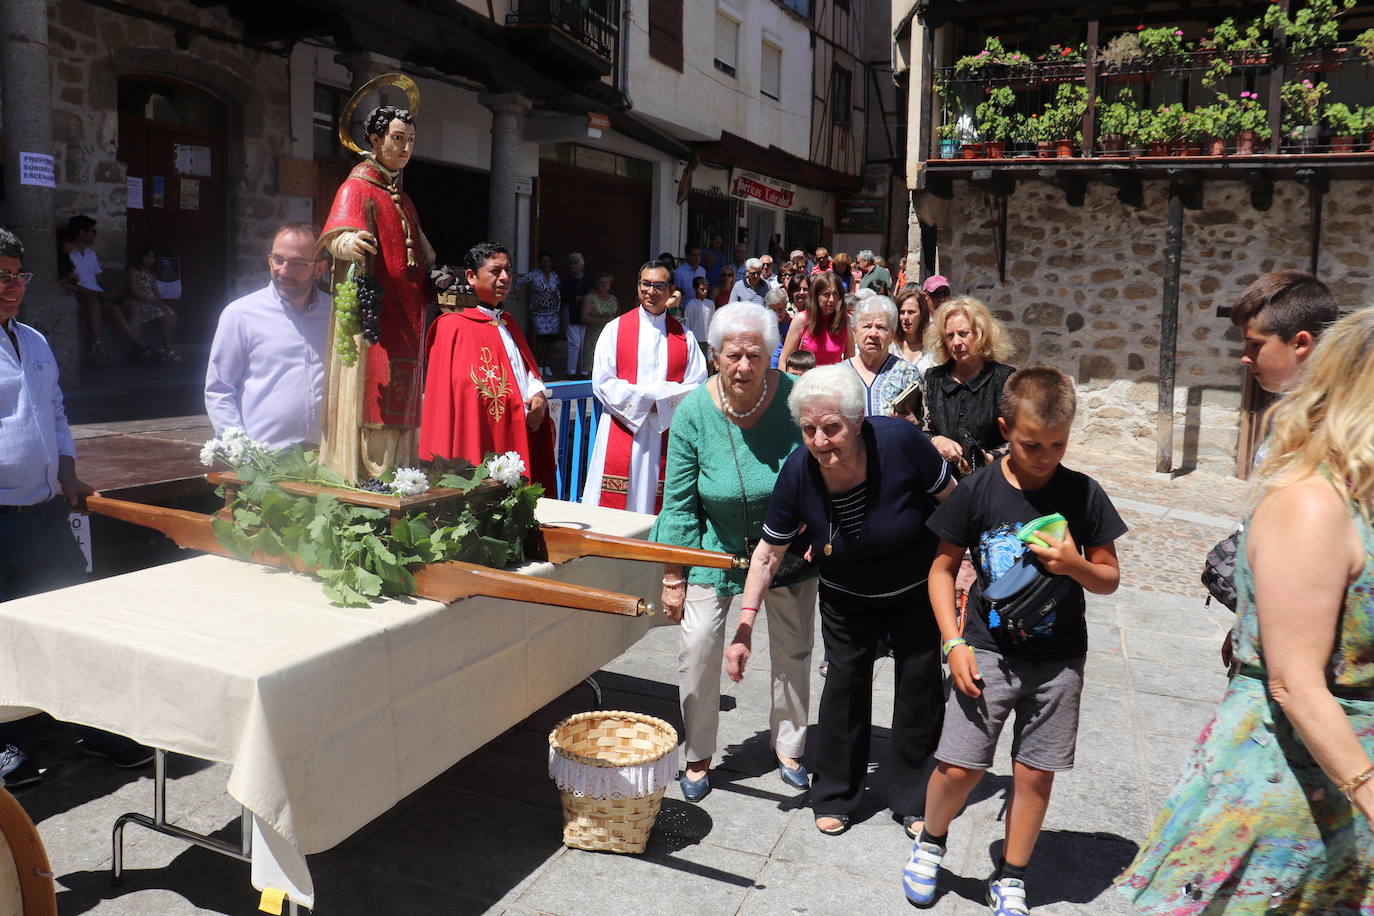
1128 188
1090 76
1073 185
1168 333
1261 189
1187 184
993 181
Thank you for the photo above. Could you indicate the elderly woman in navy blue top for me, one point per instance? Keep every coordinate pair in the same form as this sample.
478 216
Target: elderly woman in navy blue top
859 495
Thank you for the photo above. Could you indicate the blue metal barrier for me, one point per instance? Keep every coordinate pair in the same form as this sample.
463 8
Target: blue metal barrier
578 417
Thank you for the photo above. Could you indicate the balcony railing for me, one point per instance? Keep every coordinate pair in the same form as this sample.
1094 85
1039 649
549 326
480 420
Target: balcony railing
1143 87
593 24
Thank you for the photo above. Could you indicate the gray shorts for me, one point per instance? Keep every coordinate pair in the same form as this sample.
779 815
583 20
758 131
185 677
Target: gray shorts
1044 696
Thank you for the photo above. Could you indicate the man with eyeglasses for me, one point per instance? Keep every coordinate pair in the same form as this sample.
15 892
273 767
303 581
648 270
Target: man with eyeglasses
822 262
266 374
751 287
38 489
766 271
646 363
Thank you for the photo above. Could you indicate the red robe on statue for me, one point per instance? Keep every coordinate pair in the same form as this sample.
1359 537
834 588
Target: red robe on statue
472 400
391 393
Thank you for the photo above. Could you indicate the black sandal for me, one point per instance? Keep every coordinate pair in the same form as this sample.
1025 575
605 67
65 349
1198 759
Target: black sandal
833 831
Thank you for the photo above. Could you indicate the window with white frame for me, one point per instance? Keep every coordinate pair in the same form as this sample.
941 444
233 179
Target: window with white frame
770 66
727 41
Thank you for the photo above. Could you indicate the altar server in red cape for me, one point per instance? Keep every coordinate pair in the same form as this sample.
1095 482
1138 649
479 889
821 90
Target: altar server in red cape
481 394
646 362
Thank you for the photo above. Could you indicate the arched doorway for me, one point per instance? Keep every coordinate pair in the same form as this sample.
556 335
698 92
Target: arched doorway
171 137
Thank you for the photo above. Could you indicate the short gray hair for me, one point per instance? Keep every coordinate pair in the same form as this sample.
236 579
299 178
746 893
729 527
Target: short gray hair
868 304
796 253
774 296
753 264
835 385
865 255
739 318
576 258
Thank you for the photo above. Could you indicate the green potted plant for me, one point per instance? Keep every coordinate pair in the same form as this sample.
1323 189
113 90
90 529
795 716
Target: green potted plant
1118 123
1160 128
1312 33
1346 124
949 139
1228 44
1162 42
1038 128
1302 102
992 55
1218 123
995 121
1192 130
1252 123
1364 44
1070 104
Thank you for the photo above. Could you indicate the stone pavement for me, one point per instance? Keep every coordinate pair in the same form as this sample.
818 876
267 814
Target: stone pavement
485 836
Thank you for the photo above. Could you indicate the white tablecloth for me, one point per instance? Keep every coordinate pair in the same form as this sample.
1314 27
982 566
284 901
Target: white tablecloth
328 716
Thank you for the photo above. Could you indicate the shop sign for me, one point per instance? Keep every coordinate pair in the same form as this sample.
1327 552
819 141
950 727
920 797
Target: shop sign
598 121
860 214
755 187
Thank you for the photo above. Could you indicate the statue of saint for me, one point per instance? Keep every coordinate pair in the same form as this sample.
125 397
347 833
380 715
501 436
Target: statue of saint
372 408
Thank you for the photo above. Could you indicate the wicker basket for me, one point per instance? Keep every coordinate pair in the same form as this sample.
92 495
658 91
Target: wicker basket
612 769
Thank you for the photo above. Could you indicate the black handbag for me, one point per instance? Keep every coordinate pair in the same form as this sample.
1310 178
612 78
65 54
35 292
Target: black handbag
1219 570
794 566
1025 595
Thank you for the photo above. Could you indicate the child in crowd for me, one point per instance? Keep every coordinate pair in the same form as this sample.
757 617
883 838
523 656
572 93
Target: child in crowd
799 362
1038 673
697 313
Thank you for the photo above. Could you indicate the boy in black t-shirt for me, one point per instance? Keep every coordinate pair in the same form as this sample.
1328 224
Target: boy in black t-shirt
997 671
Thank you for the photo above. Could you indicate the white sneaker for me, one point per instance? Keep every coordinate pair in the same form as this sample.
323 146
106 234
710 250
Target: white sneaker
1007 897
919 876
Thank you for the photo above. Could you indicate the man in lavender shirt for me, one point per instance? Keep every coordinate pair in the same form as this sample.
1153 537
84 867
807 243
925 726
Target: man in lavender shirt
267 364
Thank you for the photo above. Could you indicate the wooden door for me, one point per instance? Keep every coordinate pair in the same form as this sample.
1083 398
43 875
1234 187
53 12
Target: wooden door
603 216
183 213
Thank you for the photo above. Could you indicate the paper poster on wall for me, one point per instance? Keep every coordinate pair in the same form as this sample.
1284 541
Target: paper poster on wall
169 277
37 169
159 198
190 194
188 159
135 192
81 530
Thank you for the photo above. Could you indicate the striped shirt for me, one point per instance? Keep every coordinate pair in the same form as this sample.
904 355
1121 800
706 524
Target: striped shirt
849 511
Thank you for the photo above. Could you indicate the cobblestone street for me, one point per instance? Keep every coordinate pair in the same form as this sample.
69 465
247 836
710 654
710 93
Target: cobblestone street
485 836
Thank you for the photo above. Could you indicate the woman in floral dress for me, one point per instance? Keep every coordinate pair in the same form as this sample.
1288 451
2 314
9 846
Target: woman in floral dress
545 310
1272 811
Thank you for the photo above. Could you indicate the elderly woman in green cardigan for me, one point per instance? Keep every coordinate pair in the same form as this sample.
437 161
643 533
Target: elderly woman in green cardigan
729 439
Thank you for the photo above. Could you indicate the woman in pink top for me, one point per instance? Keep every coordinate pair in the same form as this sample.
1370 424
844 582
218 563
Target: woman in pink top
824 327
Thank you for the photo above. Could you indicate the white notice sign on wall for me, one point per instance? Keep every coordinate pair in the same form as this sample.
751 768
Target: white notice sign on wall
81 530
37 169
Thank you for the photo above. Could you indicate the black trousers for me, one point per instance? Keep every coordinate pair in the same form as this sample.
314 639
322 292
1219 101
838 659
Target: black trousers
852 628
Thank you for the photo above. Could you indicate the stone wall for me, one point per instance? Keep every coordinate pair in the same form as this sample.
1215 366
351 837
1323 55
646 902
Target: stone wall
1084 290
93 47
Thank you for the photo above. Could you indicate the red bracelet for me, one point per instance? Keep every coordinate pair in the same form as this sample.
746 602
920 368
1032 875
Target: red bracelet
743 609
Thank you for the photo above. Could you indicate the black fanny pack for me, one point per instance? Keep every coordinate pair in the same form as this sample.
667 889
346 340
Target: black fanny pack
1024 596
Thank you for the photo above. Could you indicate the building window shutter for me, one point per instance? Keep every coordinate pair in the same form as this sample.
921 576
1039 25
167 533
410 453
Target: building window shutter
770 71
727 44
665 32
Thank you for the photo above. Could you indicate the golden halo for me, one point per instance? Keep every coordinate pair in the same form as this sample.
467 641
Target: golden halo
399 80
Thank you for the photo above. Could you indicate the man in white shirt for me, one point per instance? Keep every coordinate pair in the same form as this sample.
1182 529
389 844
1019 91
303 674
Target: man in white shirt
38 489
645 364
766 271
266 374
696 314
689 270
95 302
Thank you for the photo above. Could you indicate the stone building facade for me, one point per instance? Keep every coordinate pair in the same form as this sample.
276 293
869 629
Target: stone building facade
1083 293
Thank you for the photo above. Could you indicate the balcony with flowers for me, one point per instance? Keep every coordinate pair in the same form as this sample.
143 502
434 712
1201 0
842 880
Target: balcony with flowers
1289 87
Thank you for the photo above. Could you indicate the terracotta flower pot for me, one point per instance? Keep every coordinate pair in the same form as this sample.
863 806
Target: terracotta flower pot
1157 149
1217 147
1044 149
1191 148
1369 139
1342 144
1063 149
1245 143
971 151
994 149
1111 145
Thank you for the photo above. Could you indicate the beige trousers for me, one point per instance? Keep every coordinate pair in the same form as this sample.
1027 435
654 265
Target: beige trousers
791 633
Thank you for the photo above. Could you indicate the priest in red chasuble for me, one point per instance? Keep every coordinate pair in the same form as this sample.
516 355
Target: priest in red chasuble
372 409
646 362
483 392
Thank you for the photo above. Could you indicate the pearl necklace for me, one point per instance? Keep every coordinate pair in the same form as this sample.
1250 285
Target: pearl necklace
725 404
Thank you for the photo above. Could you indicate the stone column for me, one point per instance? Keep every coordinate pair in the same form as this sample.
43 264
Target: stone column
27 127
507 116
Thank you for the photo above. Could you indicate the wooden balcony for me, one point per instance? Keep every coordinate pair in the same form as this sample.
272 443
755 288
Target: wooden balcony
577 38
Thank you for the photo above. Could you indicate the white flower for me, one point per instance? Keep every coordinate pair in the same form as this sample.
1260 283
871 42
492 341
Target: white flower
507 468
208 451
409 482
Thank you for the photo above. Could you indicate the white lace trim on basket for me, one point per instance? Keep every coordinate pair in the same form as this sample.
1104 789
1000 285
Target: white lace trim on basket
613 782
